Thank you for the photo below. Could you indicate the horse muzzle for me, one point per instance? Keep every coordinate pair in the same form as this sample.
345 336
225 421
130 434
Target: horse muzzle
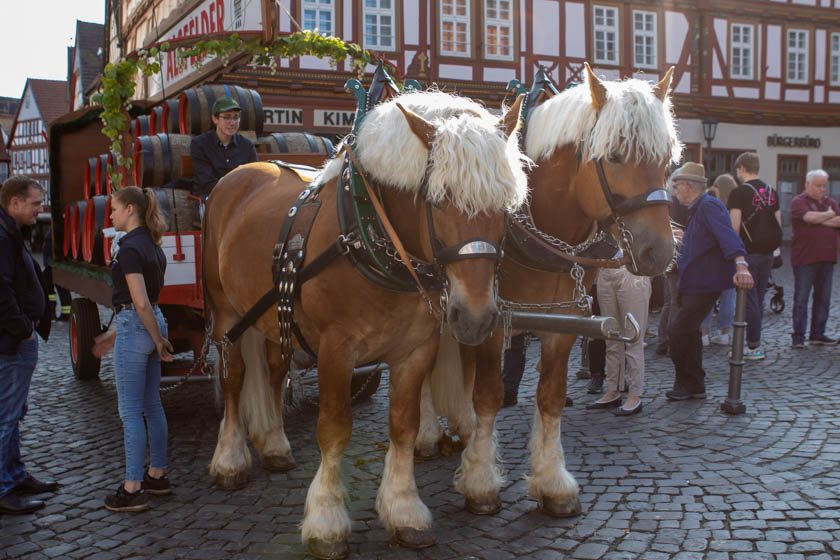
468 326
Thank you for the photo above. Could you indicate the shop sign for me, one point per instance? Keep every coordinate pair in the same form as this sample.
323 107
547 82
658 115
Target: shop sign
334 119
774 140
211 16
283 116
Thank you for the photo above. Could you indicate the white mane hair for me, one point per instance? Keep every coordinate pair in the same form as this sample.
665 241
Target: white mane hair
472 164
633 124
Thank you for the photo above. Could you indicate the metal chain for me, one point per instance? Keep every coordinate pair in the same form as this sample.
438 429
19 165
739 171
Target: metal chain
391 252
525 221
294 383
205 368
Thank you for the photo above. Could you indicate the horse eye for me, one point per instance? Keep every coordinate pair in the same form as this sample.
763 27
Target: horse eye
615 157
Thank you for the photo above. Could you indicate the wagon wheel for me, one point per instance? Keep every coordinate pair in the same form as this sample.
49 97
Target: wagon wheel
84 327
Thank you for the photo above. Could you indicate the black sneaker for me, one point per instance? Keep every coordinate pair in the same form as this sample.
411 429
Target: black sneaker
125 501
157 486
596 385
822 341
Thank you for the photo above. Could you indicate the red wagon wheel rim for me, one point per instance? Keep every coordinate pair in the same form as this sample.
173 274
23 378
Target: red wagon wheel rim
74 340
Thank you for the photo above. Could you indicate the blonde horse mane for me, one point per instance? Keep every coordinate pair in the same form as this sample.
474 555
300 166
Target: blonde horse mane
472 164
634 125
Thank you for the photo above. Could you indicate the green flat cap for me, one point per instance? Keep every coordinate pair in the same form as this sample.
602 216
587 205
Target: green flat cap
225 104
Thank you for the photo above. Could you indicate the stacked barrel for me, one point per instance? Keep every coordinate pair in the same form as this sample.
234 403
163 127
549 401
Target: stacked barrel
161 149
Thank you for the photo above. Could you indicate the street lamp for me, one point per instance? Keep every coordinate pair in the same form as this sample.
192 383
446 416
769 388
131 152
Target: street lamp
709 131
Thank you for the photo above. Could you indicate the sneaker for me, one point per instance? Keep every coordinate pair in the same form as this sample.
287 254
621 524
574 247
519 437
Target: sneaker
706 340
125 501
596 385
161 486
754 353
681 395
822 341
797 344
721 339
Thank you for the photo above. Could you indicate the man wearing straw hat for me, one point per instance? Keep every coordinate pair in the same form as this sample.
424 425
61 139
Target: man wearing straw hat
711 259
221 150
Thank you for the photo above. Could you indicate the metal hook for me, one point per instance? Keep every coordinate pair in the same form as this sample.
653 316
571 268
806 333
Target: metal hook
630 324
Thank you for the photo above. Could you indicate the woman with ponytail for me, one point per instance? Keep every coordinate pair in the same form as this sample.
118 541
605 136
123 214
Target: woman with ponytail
137 273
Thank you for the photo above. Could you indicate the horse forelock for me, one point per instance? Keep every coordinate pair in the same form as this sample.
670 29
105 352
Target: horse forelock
634 124
471 165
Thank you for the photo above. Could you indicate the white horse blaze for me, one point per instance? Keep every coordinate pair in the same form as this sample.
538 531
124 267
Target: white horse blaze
549 477
397 502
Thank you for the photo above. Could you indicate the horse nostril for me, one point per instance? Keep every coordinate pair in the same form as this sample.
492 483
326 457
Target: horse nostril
490 321
453 313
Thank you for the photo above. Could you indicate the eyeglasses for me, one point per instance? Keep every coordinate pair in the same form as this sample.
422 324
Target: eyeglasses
230 118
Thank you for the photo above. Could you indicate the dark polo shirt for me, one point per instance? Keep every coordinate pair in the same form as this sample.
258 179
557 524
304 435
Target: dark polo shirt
212 160
138 254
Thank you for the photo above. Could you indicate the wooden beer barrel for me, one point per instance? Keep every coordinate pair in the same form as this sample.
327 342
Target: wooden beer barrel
76 220
295 143
68 232
158 159
106 241
91 170
195 106
169 119
156 123
101 174
92 224
179 210
140 126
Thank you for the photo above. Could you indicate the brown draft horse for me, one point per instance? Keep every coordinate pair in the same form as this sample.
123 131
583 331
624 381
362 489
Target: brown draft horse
628 126
418 150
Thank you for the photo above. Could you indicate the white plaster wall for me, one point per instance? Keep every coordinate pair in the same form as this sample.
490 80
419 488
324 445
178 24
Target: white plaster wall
723 41
745 93
676 28
503 75
684 85
575 32
772 90
797 95
720 91
28 107
834 97
455 72
313 63
545 31
411 21
348 23
774 51
819 54
819 94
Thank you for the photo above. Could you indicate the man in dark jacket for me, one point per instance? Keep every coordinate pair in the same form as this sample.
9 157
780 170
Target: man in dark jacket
64 297
221 150
23 312
710 253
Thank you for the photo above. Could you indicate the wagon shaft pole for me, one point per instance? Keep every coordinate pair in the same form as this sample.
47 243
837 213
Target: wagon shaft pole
606 328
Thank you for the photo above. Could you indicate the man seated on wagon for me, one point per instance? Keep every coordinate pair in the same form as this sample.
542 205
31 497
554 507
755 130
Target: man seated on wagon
221 150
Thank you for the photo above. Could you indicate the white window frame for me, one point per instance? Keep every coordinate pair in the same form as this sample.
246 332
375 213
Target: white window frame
378 12
318 7
648 38
605 29
498 23
455 19
834 59
798 55
741 50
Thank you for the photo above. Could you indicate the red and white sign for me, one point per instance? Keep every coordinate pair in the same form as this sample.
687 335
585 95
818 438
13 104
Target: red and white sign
211 16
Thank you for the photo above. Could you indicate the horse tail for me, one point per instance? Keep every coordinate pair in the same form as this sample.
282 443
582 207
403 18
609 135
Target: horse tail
452 387
255 400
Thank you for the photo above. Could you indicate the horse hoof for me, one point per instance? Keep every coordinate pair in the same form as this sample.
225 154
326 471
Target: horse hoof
565 508
414 538
326 550
428 452
231 482
483 508
278 463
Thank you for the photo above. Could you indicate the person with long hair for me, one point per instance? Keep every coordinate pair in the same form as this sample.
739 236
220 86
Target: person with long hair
137 273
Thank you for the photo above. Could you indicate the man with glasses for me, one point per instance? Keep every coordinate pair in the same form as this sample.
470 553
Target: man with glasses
815 218
221 150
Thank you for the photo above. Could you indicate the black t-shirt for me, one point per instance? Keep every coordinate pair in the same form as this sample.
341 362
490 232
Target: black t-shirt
138 254
747 200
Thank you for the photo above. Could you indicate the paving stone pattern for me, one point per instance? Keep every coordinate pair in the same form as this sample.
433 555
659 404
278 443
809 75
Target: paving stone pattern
680 481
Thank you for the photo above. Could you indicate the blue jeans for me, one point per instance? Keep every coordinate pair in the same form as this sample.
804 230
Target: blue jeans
137 370
816 276
761 267
725 314
15 376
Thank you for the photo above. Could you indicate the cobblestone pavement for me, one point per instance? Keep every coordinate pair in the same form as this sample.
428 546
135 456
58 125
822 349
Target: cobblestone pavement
680 481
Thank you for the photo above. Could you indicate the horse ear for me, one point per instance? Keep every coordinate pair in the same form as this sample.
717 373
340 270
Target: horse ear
660 90
510 122
422 129
596 88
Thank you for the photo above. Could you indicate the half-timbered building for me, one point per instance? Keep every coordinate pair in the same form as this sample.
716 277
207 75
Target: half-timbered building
763 75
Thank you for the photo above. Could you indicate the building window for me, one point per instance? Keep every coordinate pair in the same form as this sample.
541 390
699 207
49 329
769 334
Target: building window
644 39
741 65
835 59
605 32
455 27
379 25
320 15
797 56
498 29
